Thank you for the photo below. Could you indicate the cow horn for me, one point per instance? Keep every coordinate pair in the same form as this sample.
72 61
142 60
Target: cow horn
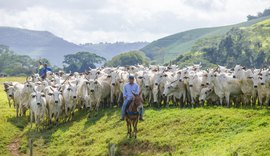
173 81
51 89
65 80
59 89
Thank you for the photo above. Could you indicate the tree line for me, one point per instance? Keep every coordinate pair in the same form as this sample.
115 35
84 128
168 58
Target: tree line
13 64
266 12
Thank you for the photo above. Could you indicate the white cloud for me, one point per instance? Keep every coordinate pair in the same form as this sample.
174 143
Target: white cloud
83 21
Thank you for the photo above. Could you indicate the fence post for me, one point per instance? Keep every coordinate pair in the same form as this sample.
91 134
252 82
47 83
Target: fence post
111 149
31 147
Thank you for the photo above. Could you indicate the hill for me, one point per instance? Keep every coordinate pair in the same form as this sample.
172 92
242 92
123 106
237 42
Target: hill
45 44
127 59
109 50
165 49
248 46
169 131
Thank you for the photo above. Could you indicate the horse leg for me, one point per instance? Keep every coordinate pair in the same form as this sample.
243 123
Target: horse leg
135 128
130 130
128 133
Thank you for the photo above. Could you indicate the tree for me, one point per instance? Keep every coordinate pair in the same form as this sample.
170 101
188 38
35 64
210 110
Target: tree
266 12
128 58
81 61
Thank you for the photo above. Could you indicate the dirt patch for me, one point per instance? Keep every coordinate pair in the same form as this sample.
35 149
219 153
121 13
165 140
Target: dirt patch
14 146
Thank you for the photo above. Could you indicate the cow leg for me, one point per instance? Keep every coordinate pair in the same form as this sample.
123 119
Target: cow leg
112 99
119 99
9 103
31 118
220 101
227 96
56 118
260 100
17 111
150 98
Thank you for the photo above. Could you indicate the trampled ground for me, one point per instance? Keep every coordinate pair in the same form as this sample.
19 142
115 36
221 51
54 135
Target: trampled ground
199 131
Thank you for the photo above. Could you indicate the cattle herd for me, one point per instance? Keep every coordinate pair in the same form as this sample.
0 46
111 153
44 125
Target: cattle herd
60 93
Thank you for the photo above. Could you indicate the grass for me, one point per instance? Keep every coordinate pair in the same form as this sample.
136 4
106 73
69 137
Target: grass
169 131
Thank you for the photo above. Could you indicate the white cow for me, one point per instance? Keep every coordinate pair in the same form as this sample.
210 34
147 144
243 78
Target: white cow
196 82
70 99
245 78
208 94
38 108
115 79
262 90
224 86
55 104
100 91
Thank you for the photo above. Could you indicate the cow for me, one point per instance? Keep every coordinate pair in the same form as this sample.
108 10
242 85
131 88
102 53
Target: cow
70 98
115 83
224 86
196 82
245 78
100 92
55 104
262 90
208 94
145 85
38 109
9 89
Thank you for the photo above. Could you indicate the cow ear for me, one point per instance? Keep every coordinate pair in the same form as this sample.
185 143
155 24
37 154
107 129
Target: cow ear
140 93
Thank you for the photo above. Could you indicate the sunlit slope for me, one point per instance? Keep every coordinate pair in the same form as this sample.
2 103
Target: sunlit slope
167 48
200 131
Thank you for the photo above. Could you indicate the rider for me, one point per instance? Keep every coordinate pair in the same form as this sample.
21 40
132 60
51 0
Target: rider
40 66
128 89
43 71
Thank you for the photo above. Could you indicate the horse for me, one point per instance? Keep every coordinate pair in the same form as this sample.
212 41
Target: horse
132 114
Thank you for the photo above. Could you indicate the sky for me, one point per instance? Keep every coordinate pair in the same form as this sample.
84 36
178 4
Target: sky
94 21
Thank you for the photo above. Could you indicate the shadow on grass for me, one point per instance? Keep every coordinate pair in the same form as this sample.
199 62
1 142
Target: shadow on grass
20 122
96 116
131 146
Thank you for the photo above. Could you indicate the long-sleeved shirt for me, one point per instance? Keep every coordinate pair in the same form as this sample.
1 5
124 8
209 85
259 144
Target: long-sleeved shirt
43 71
129 88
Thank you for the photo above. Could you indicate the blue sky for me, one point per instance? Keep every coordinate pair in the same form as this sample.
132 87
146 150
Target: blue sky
84 21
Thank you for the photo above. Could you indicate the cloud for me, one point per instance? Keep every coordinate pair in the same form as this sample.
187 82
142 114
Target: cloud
83 21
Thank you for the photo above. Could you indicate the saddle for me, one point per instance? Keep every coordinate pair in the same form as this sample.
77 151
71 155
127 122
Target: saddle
128 112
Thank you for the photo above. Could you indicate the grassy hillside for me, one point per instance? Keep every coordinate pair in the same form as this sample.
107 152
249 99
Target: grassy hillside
165 49
248 46
200 131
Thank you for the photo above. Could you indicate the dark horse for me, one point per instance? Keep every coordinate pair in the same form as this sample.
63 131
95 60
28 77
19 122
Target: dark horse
132 114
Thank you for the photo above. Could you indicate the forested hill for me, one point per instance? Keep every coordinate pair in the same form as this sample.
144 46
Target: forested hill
44 44
248 46
165 49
